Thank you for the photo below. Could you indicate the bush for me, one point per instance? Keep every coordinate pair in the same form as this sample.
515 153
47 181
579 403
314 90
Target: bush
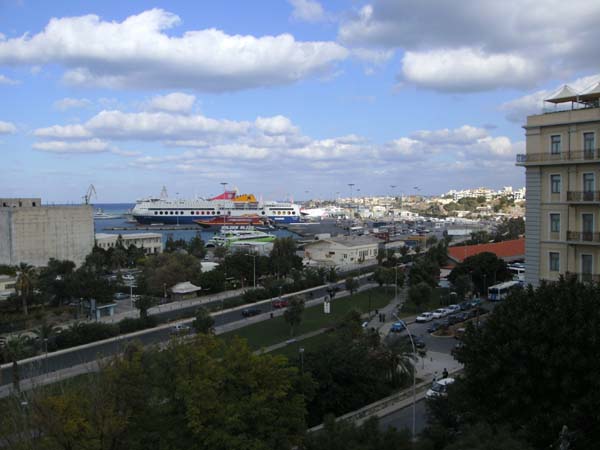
129 325
84 333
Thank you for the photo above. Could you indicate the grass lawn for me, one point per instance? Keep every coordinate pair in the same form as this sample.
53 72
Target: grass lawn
276 330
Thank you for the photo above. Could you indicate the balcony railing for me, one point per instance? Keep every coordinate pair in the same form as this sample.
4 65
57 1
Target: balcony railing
584 277
583 236
547 157
583 196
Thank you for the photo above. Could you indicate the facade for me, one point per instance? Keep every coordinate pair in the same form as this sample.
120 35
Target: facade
150 242
31 233
562 167
343 251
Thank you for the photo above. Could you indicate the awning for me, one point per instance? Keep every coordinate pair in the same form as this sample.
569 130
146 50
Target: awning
564 94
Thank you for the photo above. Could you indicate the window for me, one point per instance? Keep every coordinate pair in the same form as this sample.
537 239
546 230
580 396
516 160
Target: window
554 261
588 186
555 184
555 223
555 144
586 264
589 141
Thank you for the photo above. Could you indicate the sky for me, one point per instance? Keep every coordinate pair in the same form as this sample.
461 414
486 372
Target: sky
282 98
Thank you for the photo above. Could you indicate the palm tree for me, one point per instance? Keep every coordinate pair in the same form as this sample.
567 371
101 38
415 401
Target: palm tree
24 283
401 357
45 332
15 349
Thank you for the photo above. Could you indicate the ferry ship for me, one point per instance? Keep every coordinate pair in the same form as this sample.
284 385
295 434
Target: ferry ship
175 211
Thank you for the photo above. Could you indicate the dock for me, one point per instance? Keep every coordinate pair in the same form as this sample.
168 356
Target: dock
157 228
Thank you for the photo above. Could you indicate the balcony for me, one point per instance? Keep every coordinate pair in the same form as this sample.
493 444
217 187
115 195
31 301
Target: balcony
583 196
547 158
584 277
583 236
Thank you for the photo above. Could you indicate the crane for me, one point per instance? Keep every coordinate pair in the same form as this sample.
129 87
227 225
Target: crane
91 192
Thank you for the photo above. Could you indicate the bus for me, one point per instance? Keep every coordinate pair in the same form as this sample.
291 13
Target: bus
518 271
500 291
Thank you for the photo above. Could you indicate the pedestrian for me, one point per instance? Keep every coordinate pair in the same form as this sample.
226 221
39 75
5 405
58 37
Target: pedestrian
445 373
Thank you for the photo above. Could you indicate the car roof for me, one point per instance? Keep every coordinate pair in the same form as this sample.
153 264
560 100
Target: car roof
445 381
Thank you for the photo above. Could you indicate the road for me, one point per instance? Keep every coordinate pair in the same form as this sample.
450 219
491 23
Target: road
61 360
403 418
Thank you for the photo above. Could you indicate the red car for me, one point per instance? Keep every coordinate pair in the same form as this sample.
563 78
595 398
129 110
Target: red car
280 303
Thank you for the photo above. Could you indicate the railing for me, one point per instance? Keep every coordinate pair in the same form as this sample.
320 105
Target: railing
583 236
584 277
573 155
583 196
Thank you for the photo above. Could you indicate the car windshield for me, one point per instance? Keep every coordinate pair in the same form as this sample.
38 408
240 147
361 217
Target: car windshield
437 387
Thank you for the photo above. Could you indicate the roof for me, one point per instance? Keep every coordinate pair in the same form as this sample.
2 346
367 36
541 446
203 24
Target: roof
128 236
507 250
565 94
185 288
350 241
7 278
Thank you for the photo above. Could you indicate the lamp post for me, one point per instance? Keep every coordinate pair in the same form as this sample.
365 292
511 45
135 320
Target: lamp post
224 184
414 390
301 350
351 198
396 282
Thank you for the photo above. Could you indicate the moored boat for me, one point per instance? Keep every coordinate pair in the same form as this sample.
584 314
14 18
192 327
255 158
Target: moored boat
220 221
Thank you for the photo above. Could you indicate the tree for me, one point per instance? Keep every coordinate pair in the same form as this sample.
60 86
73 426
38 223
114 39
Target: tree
54 281
45 334
220 252
352 285
479 237
283 257
15 348
168 269
509 229
419 294
143 304
196 247
484 269
204 322
535 348
24 284
462 285
293 313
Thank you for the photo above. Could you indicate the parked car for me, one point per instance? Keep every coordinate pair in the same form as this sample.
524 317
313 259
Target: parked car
439 313
434 327
128 277
453 308
476 302
280 303
465 306
439 388
120 296
249 312
418 340
451 320
180 328
424 317
397 327
461 317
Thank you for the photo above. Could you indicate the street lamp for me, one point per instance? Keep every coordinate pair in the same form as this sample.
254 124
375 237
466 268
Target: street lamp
414 402
301 350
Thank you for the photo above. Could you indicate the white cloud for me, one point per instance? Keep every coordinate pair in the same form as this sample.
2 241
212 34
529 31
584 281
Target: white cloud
518 109
89 146
63 132
176 102
7 128
276 125
307 10
70 103
519 37
375 56
5 80
458 136
467 70
138 53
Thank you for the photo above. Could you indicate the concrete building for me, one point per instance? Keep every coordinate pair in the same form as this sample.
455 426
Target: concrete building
562 167
32 233
7 286
150 242
342 251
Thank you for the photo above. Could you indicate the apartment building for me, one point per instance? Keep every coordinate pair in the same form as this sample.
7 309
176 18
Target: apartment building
562 167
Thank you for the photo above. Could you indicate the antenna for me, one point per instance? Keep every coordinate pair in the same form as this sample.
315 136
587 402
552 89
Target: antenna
91 192
163 193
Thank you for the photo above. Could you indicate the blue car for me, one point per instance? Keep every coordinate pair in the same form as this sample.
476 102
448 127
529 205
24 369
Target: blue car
397 327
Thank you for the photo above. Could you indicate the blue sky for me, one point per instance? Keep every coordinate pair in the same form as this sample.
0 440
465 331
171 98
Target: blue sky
281 98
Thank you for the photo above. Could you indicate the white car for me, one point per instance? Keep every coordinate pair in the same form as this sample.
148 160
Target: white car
128 277
439 313
425 317
453 308
439 388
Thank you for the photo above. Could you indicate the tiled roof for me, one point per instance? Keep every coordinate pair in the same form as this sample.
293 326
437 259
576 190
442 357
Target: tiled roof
508 250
